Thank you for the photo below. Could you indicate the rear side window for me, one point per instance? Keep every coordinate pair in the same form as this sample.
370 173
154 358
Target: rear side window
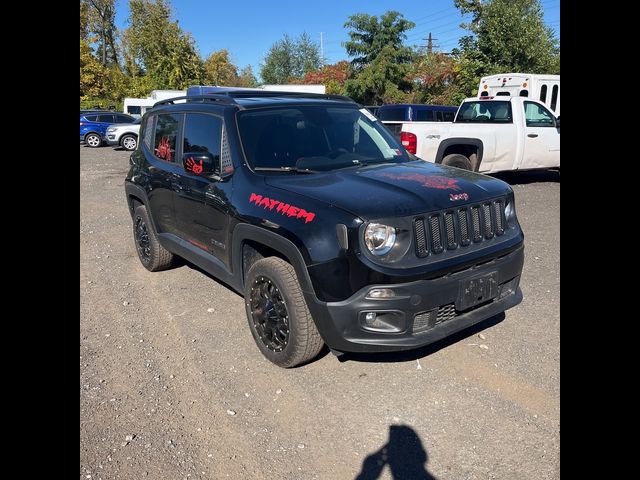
537 116
105 118
166 133
203 134
91 118
543 93
134 109
391 114
423 115
148 131
448 116
554 97
124 119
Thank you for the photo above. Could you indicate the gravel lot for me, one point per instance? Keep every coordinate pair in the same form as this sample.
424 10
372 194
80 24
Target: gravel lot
172 385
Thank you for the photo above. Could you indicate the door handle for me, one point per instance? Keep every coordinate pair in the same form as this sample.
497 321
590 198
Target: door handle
532 135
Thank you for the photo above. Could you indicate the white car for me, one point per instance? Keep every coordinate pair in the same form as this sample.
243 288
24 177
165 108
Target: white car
123 135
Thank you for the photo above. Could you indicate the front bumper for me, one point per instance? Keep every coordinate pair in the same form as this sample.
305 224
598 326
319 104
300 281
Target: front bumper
422 311
111 140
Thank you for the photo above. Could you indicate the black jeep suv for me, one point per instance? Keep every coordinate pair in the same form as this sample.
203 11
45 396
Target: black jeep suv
311 209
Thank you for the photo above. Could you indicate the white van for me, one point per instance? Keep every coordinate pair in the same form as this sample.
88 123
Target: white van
541 87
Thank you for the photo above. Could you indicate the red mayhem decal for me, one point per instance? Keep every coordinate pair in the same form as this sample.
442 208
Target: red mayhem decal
458 196
164 149
192 166
430 181
282 208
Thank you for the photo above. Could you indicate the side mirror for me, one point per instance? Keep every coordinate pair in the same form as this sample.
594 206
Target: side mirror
558 122
198 163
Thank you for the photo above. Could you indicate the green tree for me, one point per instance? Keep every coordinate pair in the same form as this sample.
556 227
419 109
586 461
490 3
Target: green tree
219 69
506 36
288 60
100 20
93 75
381 61
246 78
159 48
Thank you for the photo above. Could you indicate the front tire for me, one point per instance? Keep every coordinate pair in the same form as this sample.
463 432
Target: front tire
153 256
129 142
457 160
93 140
278 315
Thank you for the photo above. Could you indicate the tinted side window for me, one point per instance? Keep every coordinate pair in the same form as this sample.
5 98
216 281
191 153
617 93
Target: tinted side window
91 118
203 134
105 118
423 115
543 93
391 114
133 109
164 145
124 119
448 116
148 131
537 116
554 97
524 93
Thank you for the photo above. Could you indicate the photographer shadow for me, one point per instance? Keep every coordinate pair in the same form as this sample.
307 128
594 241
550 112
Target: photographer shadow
403 453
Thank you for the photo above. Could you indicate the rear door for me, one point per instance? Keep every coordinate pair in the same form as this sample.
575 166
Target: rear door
163 170
541 138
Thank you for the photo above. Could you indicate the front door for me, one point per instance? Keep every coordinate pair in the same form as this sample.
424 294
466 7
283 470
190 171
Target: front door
541 138
201 205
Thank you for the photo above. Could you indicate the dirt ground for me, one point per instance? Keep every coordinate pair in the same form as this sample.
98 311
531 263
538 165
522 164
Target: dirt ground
172 385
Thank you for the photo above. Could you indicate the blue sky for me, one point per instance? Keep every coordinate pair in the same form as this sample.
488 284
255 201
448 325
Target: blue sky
248 28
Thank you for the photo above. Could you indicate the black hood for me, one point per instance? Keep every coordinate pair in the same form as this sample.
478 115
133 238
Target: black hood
391 190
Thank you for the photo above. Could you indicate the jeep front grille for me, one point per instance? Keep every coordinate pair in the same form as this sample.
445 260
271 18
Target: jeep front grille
459 227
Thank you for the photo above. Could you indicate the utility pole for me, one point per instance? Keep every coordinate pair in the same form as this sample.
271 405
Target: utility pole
430 45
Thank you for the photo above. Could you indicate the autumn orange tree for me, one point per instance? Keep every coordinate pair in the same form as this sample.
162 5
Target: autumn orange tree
333 77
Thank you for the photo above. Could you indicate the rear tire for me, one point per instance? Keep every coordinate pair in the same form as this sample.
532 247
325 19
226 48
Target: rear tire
278 315
129 142
457 160
153 256
93 140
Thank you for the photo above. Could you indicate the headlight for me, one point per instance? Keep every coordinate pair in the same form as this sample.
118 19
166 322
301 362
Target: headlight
110 129
510 210
379 238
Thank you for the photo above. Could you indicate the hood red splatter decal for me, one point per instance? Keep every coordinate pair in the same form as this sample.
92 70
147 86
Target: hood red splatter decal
429 181
282 208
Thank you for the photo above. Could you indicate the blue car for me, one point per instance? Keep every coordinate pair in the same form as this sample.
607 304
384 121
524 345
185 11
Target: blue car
93 125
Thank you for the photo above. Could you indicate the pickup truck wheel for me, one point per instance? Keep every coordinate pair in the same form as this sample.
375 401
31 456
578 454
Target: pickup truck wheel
153 256
278 315
457 160
129 142
93 140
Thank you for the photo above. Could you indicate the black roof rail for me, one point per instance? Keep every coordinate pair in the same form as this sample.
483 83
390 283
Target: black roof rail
228 98
195 98
276 93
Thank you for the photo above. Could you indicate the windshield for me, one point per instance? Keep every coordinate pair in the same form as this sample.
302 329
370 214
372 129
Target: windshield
315 137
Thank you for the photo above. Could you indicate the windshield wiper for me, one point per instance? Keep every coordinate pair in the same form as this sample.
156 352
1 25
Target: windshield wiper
284 169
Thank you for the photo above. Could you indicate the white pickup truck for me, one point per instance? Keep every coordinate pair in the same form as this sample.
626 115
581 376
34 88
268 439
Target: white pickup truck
489 134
